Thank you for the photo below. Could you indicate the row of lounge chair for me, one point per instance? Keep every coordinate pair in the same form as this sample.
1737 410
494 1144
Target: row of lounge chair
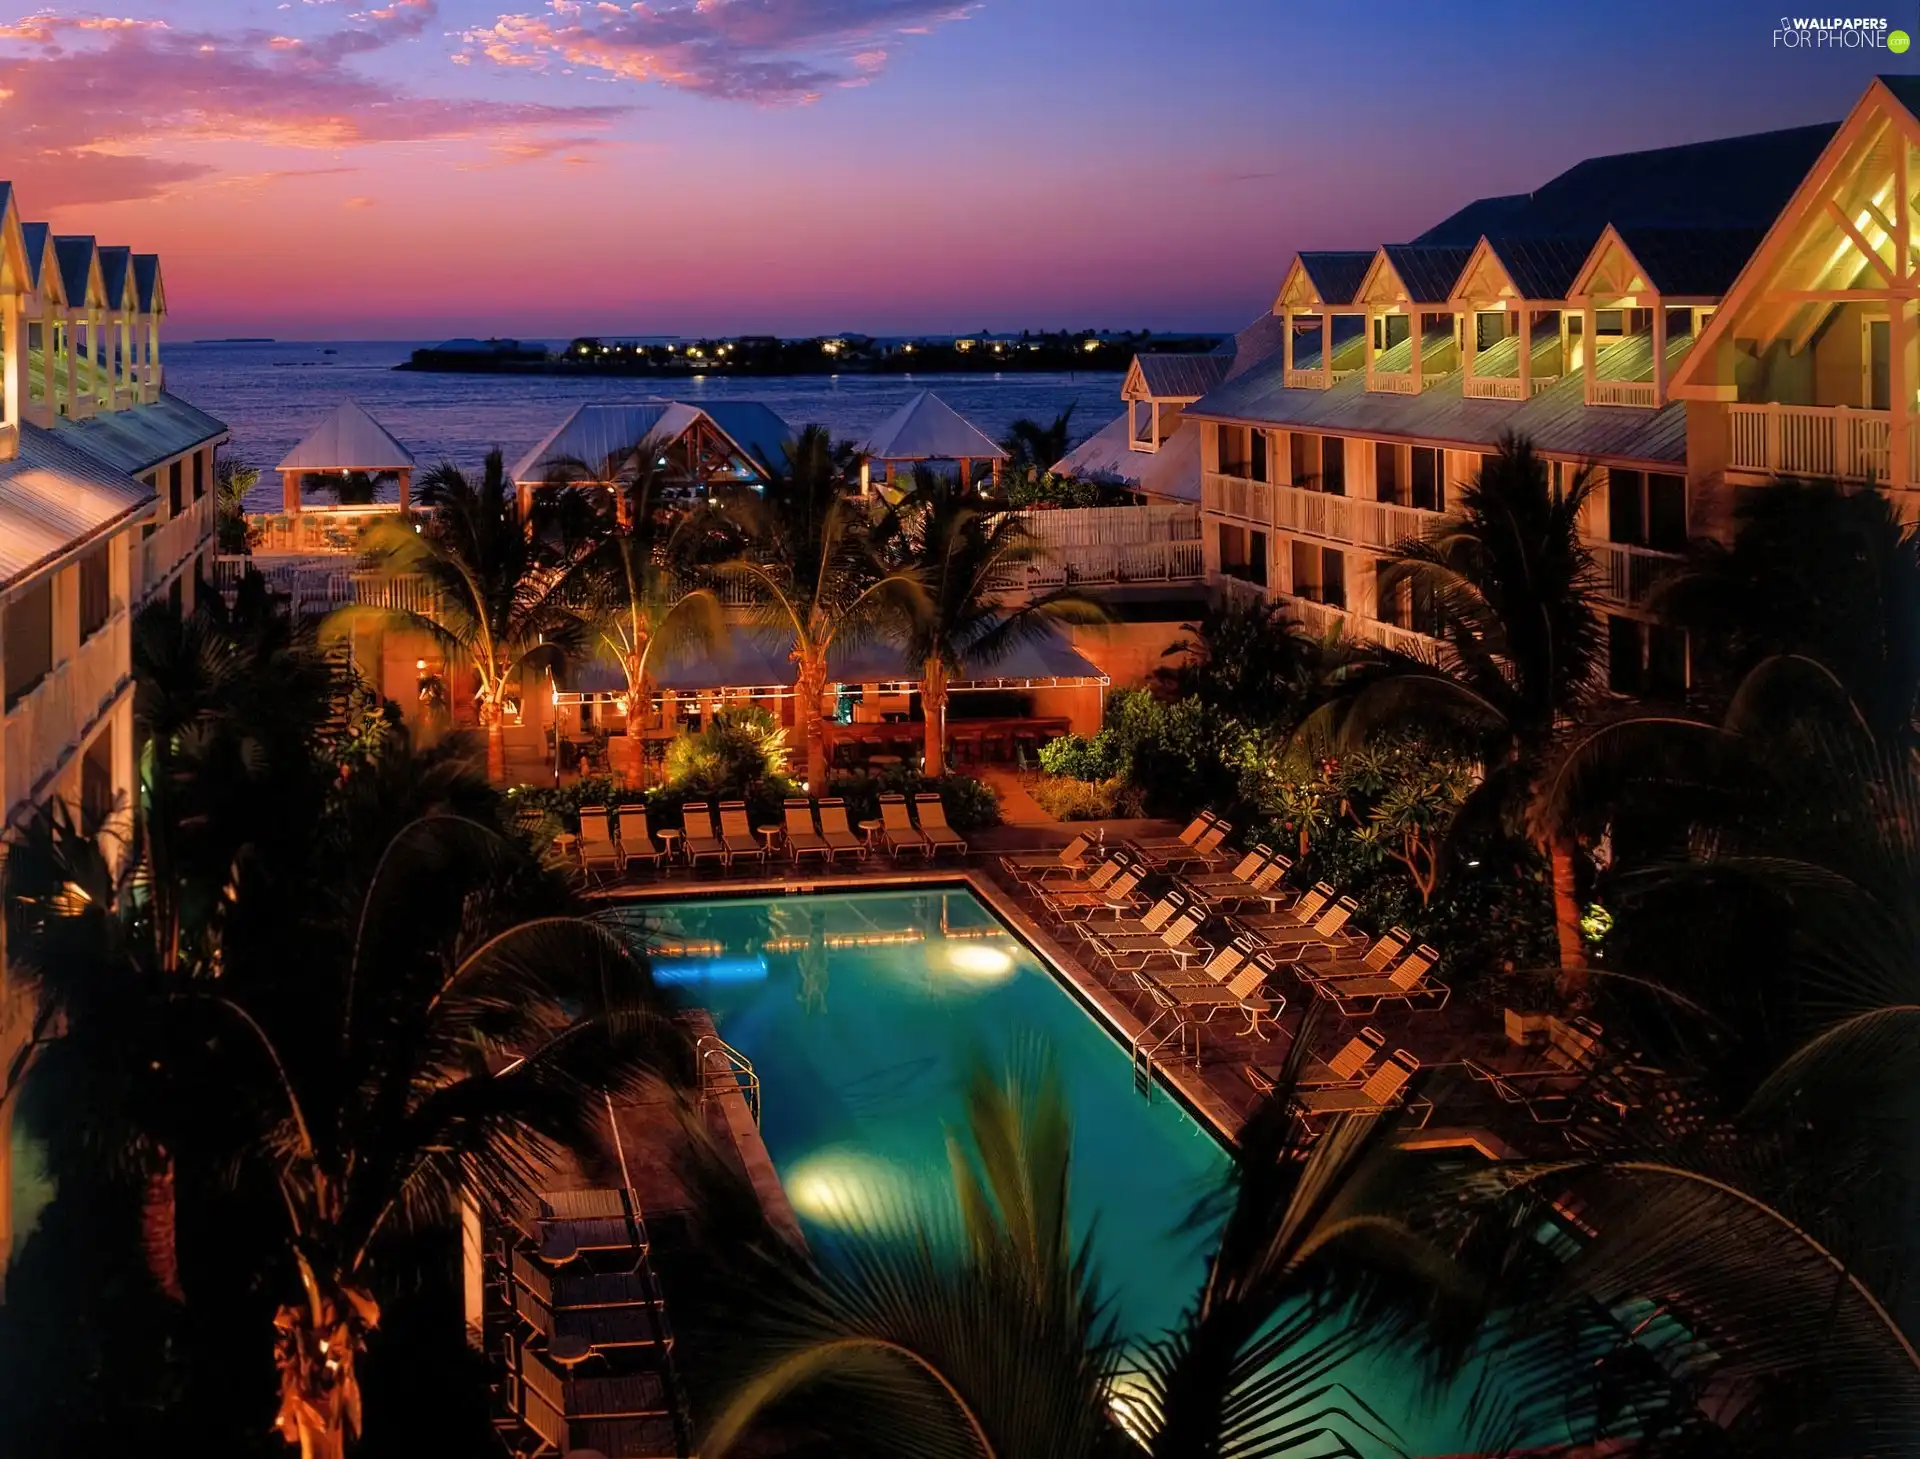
610 845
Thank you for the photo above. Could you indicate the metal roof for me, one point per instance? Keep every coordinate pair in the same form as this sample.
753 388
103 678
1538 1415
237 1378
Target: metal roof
146 279
1349 345
926 428
35 236
54 495
1557 419
142 436
1172 472
1428 271
1337 274
116 262
1541 268
75 254
1260 340
1182 376
1692 262
605 434
348 439
1730 182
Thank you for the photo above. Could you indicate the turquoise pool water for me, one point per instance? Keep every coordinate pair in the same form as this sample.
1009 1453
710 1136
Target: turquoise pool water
861 1015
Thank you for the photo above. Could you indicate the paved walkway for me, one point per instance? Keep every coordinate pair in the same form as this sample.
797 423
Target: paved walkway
1017 808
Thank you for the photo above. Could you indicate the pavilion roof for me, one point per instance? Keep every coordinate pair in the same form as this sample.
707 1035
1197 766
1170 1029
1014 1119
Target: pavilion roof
348 440
600 432
926 428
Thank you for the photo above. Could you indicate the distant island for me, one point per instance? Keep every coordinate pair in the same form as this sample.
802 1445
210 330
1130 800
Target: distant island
838 354
239 339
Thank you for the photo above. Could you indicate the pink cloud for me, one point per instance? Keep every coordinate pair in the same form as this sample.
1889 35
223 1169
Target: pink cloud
741 50
94 111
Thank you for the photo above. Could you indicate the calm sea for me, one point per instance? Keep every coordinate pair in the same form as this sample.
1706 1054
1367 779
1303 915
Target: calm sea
273 394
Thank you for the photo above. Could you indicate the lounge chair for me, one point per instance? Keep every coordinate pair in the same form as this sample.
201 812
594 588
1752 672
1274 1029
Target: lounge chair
1037 865
1239 874
1204 850
1305 908
1405 984
1346 1067
1383 1090
1131 951
1265 885
636 840
933 825
1547 1077
697 841
1115 893
840 837
802 838
900 833
1244 992
1328 929
737 836
1186 840
597 851
1162 985
1353 960
1151 922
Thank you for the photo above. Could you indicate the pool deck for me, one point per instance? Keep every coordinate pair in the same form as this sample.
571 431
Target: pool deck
1214 1086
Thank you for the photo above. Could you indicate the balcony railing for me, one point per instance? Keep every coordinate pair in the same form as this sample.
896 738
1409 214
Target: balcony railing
1833 442
1621 392
1307 380
1326 620
48 723
1632 573
1494 387
1399 382
312 529
1235 496
1348 519
170 544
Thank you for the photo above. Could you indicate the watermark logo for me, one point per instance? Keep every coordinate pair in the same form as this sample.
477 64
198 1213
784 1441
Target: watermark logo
1839 33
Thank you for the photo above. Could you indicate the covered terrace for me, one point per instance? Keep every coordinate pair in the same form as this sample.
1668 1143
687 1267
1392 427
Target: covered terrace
926 430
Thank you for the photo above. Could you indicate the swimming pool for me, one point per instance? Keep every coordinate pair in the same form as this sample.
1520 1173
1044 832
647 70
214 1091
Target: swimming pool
863 1013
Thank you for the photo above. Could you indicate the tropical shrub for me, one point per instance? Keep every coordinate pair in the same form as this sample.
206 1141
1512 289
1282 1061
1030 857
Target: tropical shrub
737 748
1075 757
1067 799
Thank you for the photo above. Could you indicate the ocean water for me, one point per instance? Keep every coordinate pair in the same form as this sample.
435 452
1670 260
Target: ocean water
273 394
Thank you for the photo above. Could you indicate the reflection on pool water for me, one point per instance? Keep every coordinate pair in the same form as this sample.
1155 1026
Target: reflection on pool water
863 1014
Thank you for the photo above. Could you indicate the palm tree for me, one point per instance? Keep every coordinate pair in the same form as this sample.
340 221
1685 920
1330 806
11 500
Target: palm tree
1036 447
971 561
355 488
1520 648
1251 659
495 588
879 1344
807 552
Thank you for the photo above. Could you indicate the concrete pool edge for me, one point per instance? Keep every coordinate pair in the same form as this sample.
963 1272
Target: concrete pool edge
1212 1113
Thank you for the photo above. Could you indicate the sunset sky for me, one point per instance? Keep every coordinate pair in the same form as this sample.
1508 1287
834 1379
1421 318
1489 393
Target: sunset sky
423 167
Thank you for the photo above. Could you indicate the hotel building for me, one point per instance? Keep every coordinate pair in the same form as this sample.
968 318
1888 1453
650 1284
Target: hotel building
106 504
1684 323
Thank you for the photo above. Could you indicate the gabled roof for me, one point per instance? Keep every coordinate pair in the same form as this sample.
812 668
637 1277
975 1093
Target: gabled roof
38 240
1541 268
54 495
1336 274
116 266
1261 339
79 269
926 428
1427 272
1692 262
1172 472
1174 376
13 253
149 296
605 434
145 435
348 439
1730 182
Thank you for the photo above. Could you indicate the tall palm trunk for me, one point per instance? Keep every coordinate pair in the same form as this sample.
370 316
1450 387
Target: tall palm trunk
318 1347
159 1227
1566 914
810 685
933 704
494 721
639 711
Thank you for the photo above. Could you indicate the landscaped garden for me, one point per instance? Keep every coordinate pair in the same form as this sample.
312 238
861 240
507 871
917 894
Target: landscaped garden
323 984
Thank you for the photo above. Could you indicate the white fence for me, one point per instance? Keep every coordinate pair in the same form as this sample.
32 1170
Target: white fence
169 545
1834 442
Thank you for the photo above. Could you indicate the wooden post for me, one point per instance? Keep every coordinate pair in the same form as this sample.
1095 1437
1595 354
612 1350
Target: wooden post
1587 343
1526 353
1469 337
890 476
866 476
1326 346
290 493
405 481
1286 344
1369 317
1900 331
966 475
16 355
1659 353
1416 340
997 464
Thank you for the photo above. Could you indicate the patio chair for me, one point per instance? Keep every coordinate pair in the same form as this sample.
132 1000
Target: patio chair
1115 894
698 841
737 836
841 838
1195 829
1160 984
636 840
1263 886
900 833
802 838
1305 908
1353 960
597 851
932 812
1329 928
1239 874
1035 865
1383 1090
1244 992
1345 1067
1151 922
1405 984
1545 1078
1131 951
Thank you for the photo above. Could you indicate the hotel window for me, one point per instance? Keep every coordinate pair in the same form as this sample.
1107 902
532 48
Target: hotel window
1231 444
96 592
1243 554
1389 599
96 779
199 474
29 641
1429 480
1333 465
1333 577
1390 330
1257 466
1320 574
1303 458
1386 473
174 501
1647 509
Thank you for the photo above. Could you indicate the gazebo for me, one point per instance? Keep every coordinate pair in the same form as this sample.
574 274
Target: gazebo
347 440
926 428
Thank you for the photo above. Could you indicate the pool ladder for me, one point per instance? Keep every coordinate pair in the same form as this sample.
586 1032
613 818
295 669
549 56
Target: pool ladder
1147 1045
724 1068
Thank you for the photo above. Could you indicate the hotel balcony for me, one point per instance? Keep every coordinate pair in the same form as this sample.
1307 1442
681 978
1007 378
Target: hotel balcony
1349 521
1621 369
313 530
48 723
1392 372
1833 443
1631 573
170 546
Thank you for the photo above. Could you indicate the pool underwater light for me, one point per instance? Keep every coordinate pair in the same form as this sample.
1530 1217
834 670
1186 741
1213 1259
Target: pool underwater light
988 964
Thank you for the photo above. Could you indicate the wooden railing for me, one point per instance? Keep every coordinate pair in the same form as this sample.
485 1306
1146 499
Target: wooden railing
1072 527
1235 496
1621 392
1494 387
1307 380
1632 572
49 722
171 544
1398 382
1326 620
1834 442
312 529
1348 519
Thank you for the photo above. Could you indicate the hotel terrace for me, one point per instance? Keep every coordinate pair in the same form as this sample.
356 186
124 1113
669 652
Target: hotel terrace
1685 322
106 503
